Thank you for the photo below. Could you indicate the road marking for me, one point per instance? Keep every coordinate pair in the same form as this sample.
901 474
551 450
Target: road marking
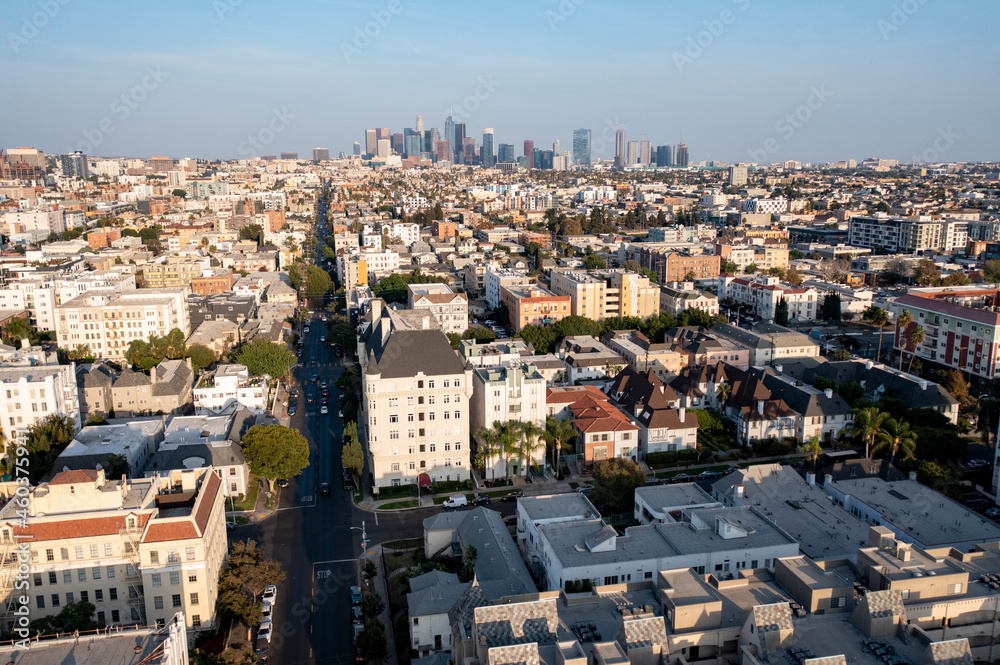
376 518
317 563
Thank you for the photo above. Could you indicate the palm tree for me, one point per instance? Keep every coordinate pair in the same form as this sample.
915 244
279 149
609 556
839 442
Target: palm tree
559 433
878 318
488 446
812 449
916 337
527 443
867 425
904 320
508 435
723 392
896 436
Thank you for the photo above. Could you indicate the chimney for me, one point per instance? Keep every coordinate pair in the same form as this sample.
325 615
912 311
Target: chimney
923 384
828 392
778 368
913 475
760 406
738 491
810 479
681 412
152 375
25 344
869 364
376 308
828 479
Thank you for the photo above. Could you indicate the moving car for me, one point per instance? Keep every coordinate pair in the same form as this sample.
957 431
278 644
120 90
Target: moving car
323 410
455 501
340 412
324 488
314 378
323 338
282 482
512 496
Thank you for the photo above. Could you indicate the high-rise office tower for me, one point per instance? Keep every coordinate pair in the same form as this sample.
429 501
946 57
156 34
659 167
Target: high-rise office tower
382 148
632 153
620 148
682 154
419 127
665 155
411 143
645 150
431 138
443 153
458 145
486 156
289 155
469 150
370 142
397 143
505 153
581 147
357 148
383 133
321 154
555 147
737 176
74 165
544 160
529 152
449 131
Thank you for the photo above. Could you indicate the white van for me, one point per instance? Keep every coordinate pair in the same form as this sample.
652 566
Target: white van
455 501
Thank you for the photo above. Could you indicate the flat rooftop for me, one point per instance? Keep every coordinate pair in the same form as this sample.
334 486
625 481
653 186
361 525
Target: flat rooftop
834 635
673 497
195 429
567 505
926 516
111 439
118 648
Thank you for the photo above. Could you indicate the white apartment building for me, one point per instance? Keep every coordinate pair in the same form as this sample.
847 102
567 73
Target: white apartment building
140 551
408 233
497 278
374 263
764 293
228 388
606 294
515 392
765 206
414 416
29 395
450 309
679 296
107 322
47 221
40 294
908 234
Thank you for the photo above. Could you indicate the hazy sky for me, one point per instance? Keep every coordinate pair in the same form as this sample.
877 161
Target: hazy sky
743 80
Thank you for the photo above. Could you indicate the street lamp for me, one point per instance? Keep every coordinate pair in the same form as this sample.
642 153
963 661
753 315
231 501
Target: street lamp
364 545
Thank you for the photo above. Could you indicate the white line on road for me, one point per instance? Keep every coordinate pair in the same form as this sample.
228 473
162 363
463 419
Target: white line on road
317 563
376 518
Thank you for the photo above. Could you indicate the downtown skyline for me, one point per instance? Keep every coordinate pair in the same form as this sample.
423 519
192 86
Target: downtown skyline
888 74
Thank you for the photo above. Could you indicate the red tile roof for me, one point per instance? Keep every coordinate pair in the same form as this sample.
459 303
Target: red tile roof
68 529
570 394
160 532
598 415
74 477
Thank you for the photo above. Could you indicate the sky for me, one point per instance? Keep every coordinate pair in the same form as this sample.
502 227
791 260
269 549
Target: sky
740 80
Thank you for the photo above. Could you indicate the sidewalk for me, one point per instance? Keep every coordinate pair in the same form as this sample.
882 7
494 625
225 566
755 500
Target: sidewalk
375 554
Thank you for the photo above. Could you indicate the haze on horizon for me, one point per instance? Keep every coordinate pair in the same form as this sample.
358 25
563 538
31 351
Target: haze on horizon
821 81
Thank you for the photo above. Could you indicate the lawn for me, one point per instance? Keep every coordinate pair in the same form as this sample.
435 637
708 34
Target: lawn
395 505
250 500
438 500
402 544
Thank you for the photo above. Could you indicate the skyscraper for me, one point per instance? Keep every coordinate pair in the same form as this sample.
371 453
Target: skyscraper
443 153
431 139
419 127
382 148
458 145
737 176
357 148
632 154
529 152
665 155
469 150
412 143
555 147
383 133
645 150
544 159
397 143
486 157
581 147
505 153
682 154
620 148
321 154
74 165
370 141
449 130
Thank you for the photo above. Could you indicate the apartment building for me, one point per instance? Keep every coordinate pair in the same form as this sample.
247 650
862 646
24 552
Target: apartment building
212 281
515 391
174 271
679 296
33 393
165 389
450 309
228 388
365 266
533 305
495 279
961 328
764 292
764 257
414 415
673 266
907 234
107 322
139 550
100 238
40 292
641 354
607 294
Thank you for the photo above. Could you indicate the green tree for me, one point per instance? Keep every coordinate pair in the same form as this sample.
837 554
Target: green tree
896 436
793 277
372 642
728 267
179 192
352 457
594 262
750 269
370 569
867 425
201 356
262 357
926 273
991 271
340 332
273 452
115 467
840 354
530 439
252 232
877 318
45 441
488 446
318 282
903 324
372 605
249 568
781 312
73 617
438 212
559 435
19 329
615 481
146 355
916 339
812 449
328 253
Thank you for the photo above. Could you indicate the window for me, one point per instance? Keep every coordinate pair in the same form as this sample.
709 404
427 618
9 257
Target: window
173 557
50 555
64 553
433 447
409 417
175 578
113 594
195 620
81 574
95 572
189 554
954 588
157 579
192 577
99 595
157 602
39 600
154 558
394 435
55 600
52 577
840 601
69 597
111 572
84 597
176 600
100 618
194 598
458 446
115 616
79 551
904 594
393 419
93 551
430 384
395 467
67 577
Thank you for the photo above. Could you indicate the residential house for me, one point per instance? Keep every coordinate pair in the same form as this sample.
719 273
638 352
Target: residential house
166 389
229 388
664 425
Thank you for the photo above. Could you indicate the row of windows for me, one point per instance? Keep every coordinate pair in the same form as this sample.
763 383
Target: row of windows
79 551
84 597
423 448
412 466
430 383
394 434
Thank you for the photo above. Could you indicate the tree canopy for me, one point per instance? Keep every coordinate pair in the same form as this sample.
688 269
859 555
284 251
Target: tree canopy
146 355
615 481
262 356
274 451
352 457
46 439
201 356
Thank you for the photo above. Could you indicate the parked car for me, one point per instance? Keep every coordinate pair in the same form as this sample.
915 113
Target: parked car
455 501
292 409
324 488
993 512
512 496
265 611
264 633
355 595
977 464
340 412
270 594
681 478
357 613
481 501
282 482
